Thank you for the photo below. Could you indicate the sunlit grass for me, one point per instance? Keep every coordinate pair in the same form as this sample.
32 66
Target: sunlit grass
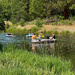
15 61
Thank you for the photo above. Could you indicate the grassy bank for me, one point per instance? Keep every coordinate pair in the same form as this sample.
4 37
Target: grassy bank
21 62
37 30
62 27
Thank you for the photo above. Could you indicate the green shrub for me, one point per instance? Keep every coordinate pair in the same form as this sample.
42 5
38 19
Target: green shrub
38 22
45 23
44 31
2 24
22 22
55 23
49 32
56 32
34 29
74 33
63 33
68 23
67 33
14 21
7 26
61 17
72 17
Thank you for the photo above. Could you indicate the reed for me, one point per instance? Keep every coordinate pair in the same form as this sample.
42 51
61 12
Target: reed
15 61
66 33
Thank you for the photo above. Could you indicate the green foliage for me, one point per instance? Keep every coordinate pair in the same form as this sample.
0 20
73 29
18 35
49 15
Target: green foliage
62 22
60 17
30 22
7 26
14 29
72 18
38 23
67 33
2 24
56 32
44 31
29 10
55 23
20 62
34 29
68 23
74 33
49 32
22 22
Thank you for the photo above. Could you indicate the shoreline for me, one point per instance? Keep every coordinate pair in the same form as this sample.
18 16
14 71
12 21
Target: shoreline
59 28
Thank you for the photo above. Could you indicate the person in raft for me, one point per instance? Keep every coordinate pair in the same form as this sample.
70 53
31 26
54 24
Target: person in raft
53 36
40 36
9 33
34 36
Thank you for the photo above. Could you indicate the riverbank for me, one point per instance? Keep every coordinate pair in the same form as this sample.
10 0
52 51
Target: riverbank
18 61
46 28
58 28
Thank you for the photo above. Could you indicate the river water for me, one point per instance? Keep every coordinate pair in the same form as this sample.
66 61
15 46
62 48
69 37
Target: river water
64 47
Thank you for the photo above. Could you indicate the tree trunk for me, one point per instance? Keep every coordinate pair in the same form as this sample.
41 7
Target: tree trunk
65 12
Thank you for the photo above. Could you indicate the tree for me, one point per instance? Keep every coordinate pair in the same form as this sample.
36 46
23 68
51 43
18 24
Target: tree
6 9
19 9
2 24
64 6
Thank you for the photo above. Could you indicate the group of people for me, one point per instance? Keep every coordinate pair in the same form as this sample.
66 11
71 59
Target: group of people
34 36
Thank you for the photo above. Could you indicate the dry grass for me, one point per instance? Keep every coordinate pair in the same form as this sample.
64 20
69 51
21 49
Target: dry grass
8 22
59 28
27 26
51 27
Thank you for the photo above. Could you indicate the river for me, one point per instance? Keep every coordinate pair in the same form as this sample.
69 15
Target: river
64 47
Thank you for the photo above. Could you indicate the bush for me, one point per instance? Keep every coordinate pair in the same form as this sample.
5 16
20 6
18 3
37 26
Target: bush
44 31
67 33
49 32
68 23
38 23
22 22
56 32
2 24
34 29
60 17
55 23
7 26
74 33
72 18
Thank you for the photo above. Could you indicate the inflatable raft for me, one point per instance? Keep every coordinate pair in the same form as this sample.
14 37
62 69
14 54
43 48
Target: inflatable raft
9 35
43 40
29 35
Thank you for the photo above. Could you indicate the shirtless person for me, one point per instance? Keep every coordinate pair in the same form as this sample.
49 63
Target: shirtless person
53 36
34 36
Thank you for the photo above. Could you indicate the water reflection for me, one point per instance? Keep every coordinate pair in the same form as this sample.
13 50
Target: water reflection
64 47
44 48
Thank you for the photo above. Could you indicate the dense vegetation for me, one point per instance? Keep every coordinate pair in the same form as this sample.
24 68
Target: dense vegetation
15 10
15 61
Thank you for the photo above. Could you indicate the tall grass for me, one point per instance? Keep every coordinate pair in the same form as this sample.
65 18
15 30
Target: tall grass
17 30
20 62
66 33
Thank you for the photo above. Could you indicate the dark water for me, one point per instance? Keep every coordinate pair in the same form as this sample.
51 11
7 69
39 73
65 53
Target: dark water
64 47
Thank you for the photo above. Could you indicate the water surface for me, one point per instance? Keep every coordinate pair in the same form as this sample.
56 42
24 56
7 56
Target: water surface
64 47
